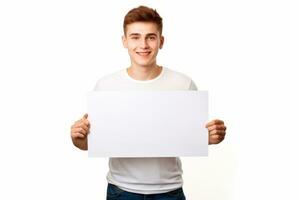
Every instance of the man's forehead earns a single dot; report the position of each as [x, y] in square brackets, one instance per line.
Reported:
[142, 28]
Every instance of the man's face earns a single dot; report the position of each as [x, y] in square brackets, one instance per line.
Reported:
[143, 40]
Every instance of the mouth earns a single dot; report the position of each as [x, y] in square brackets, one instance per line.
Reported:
[143, 53]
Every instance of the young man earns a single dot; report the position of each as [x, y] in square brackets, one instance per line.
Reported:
[143, 178]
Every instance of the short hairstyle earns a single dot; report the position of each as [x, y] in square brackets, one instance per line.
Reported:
[143, 14]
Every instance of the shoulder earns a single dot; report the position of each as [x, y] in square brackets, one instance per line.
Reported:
[180, 79]
[176, 75]
[109, 78]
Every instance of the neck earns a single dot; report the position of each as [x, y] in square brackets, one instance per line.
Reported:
[144, 72]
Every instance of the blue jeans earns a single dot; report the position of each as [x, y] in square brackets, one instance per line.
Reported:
[115, 193]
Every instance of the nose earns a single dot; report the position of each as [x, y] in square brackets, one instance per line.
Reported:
[144, 44]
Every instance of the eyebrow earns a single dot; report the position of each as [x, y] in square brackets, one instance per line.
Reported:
[147, 35]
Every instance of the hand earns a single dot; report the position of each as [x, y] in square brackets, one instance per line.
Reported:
[79, 132]
[216, 131]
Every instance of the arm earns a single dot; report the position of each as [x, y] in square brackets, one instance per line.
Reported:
[79, 132]
[216, 130]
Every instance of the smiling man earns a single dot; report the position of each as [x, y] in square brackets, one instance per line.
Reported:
[144, 178]
[143, 40]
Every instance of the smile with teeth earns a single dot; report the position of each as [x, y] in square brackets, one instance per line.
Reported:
[143, 53]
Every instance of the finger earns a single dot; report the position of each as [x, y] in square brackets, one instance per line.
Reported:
[79, 130]
[216, 127]
[85, 127]
[214, 122]
[85, 119]
[78, 135]
[86, 122]
[76, 122]
[82, 125]
[217, 132]
[79, 124]
[215, 139]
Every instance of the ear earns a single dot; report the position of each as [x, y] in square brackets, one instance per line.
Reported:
[162, 40]
[124, 40]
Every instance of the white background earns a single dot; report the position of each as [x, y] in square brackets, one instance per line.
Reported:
[244, 52]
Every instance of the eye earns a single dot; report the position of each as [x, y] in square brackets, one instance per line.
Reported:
[135, 38]
[152, 38]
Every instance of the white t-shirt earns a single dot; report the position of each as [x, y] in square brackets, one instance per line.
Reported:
[146, 175]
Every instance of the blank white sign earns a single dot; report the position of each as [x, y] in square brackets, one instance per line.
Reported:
[147, 123]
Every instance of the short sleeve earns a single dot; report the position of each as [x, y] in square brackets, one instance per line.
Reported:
[193, 86]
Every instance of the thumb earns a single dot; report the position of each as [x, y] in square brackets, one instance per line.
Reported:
[85, 116]
[85, 120]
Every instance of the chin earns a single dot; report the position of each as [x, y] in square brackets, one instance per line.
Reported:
[144, 64]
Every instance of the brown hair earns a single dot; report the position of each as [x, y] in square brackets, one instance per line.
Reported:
[143, 14]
